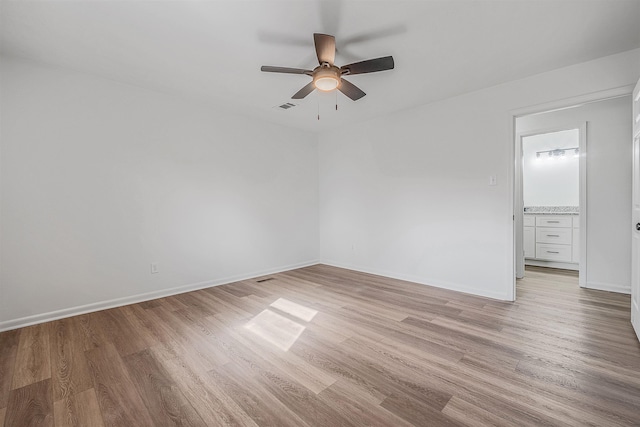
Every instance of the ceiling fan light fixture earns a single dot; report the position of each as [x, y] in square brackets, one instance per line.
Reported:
[327, 83]
[326, 78]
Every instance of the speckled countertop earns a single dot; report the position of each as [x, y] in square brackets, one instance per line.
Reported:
[551, 210]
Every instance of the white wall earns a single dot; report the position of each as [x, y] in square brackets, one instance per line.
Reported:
[407, 195]
[550, 181]
[99, 179]
[609, 178]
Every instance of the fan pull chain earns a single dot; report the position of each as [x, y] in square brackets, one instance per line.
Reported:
[318, 99]
[336, 91]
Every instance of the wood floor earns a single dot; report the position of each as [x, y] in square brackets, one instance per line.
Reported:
[322, 346]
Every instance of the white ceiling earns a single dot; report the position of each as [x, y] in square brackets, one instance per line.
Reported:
[211, 51]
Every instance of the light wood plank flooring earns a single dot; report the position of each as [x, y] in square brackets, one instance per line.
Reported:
[322, 346]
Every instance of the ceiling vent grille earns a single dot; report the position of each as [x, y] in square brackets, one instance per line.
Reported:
[286, 105]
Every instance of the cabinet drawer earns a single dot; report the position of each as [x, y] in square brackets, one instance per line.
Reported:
[549, 252]
[553, 235]
[563, 221]
[529, 221]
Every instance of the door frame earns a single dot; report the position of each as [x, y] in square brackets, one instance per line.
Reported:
[537, 109]
[582, 197]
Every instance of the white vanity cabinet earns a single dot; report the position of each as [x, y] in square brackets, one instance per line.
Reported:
[552, 240]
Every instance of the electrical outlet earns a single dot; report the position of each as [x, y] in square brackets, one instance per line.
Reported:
[154, 267]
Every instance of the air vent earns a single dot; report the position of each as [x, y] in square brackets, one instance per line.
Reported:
[286, 106]
[264, 280]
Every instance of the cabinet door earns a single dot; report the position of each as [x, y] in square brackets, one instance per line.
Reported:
[529, 221]
[529, 242]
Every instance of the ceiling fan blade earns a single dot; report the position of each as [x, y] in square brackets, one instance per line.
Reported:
[351, 90]
[304, 91]
[286, 70]
[325, 48]
[369, 66]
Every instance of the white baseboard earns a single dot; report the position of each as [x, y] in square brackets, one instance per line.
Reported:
[552, 264]
[118, 302]
[635, 317]
[621, 289]
[420, 280]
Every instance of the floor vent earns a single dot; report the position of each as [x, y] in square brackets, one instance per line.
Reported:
[264, 280]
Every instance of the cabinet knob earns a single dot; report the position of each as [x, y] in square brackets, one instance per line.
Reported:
[638, 226]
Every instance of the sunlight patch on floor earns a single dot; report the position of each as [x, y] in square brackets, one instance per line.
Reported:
[300, 311]
[275, 329]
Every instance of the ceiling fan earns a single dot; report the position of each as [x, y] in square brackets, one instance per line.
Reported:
[327, 76]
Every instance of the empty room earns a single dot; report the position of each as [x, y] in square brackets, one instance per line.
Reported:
[320, 213]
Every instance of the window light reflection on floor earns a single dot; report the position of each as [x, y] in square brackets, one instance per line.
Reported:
[297, 310]
[278, 329]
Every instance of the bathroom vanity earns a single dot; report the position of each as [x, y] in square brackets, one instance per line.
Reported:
[552, 236]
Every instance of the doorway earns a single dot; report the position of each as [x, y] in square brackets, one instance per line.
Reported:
[599, 246]
[550, 197]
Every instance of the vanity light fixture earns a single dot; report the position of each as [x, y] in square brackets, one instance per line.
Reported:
[558, 153]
